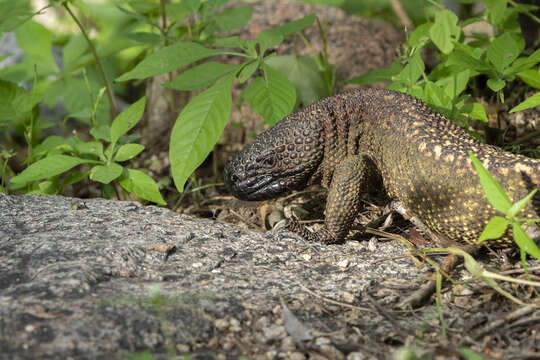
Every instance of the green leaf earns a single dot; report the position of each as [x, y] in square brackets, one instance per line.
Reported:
[14, 13]
[494, 229]
[248, 70]
[72, 52]
[73, 177]
[106, 173]
[445, 30]
[530, 102]
[412, 71]
[455, 84]
[273, 96]
[127, 119]
[496, 85]
[519, 205]
[469, 354]
[531, 77]
[234, 18]
[200, 76]
[419, 36]
[15, 102]
[476, 111]
[49, 143]
[36, 41]
[128, 151]
[502, 51]
[142, 185]
[48, 167]
[303, 72]
[295, 26]
[494, 192]
[197, 129]
[92, 147]
[272, 37]
[377, 75]
[524, 242]
[102, 132]
[525, 63]
[168, 59]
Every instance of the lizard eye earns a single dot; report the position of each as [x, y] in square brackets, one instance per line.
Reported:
[269, 162]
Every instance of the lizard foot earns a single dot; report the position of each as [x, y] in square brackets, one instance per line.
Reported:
[322, 236]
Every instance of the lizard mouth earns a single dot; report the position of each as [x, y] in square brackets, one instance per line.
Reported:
[252, 188]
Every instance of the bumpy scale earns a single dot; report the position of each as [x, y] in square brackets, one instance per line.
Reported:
[341, 141]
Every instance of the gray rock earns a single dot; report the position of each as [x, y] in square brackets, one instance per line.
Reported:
[113, 278]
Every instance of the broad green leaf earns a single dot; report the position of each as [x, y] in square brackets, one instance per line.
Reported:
[248, 70]
[176, 11]
[197, 129]
[73, 177]
[228, 42]
[496, 85]
[200, 76]
[455, 84]
[49, 143]
[15, 102]
[106, 173]
[102, 132]
[412, 71]
[48, 167]
[520, 204]
[461, 59]
[36, 41]
[272, 97]
[445, 30]
[531, 77]
[377, 75]
[303, 72]
[494, 229]
[530, 102]
[92, 147]
[268, 39]
[72, 52]
[419, 36]
[494, 192]
[272, 37]
[435, 95]
[476, 111]
[168, 59]
[524, 242]
[127, 119]
[525, 63]
[295, 26]
[142, 185]
[128, 151]
[502, 51]
[234, 18]
[14, 13]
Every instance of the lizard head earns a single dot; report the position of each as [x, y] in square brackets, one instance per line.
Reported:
[279, 160]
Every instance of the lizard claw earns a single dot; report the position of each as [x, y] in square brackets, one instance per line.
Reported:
[322, 236]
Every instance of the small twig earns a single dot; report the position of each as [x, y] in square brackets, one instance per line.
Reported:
[400, 329]
[519, 271]
[522, 311]
[246, 221]
[401, 14]
[335, 302]
[524, 138]
[110, 93]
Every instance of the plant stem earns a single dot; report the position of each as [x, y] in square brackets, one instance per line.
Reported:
[110, 93]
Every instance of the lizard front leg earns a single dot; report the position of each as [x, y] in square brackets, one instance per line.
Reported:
[350, 180]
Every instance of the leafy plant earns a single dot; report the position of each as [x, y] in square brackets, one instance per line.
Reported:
[161, 38]
[498, 225]
[462, 59]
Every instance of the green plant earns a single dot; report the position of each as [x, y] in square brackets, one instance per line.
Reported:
[498, 225]
[462, 59]
[161, 37]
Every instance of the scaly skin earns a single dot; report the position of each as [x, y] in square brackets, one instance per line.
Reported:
[421, 156]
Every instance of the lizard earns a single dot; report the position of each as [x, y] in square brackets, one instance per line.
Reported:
[422, 157]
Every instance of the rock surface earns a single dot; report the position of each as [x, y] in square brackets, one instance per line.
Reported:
[103, 279]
